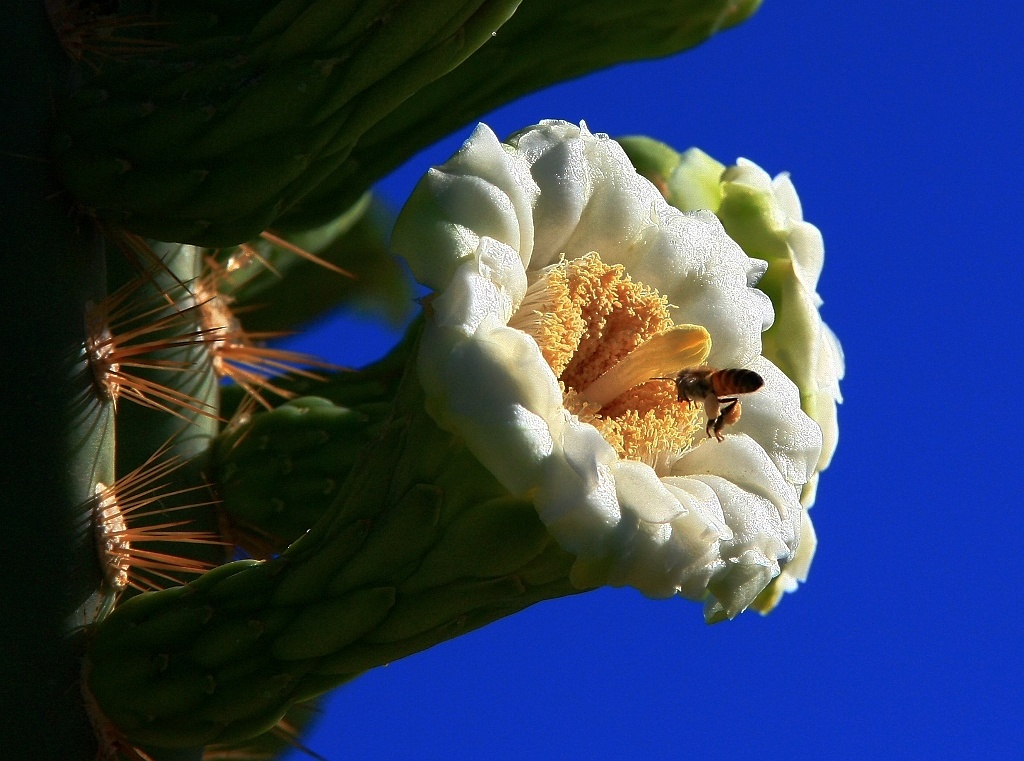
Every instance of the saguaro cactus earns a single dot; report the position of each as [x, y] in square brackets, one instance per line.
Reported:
[157, 157]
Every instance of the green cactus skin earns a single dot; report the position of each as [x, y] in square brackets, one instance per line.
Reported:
[292, 108]
[278, 473]
[281, 470]
[541, 44]
[250, 106]
[270, 745]
[421, 545]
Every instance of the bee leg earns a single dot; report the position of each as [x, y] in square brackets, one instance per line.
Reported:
[712, 427]
[730, 414]
[712, 410]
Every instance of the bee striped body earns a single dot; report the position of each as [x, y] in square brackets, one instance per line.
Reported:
[716, 390]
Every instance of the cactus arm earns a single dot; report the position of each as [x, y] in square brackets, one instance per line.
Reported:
[543, 43]
[144, 430]
[281, 470]
[207, 139]
[417, 549]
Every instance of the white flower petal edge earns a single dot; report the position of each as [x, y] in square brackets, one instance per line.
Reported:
[727, 518]
[804, 346]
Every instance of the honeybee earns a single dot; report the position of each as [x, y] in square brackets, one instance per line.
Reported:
[716, 390]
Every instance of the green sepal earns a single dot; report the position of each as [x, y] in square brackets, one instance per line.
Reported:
[689, 180]
[396, 542]
[417, 613]
[226, 642]
[329, 625]
[497, 537]
[274, 744]
[748, 215]
[308, 581]
[177, 693]
[253, 697]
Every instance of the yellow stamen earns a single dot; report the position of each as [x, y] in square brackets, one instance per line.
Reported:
[614, 348]
[662, 356]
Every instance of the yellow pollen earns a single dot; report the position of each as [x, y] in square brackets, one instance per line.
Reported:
[588, 318]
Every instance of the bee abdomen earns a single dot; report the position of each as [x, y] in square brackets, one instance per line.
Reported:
[735, 381]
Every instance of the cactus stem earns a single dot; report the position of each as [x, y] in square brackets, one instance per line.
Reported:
[113, 745]
[142, 258]
[125, 331]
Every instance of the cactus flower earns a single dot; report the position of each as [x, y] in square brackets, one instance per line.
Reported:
[569, 296]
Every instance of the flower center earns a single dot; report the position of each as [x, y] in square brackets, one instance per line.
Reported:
[614, 348]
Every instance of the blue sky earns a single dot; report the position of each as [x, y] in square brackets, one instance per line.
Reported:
[901, 125]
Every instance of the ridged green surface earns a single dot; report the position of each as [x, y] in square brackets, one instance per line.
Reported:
[276, 743]
[543, 43]
[281, 471]
[206, 122]
[422, 545]
[250, 106]
[294, 108]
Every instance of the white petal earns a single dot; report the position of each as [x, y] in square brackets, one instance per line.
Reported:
[808, 251]
[752, 558]
[470, 299]
[481, 191]
[498, 393]
[559, 167]
[728, 517]
[642, 493]
[745, 464]
[772, 417]
[703, 273]
[786, 196]
[759, 506]
[576, 496]
[797, 570]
